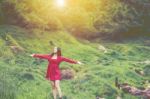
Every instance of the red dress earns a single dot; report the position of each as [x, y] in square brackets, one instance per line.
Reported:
[53, 71]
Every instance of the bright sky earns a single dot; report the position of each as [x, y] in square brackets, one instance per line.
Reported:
[60, 3]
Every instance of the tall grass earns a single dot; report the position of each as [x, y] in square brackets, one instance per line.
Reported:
[23, 77]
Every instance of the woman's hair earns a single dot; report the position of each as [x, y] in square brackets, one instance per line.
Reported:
[58, 52]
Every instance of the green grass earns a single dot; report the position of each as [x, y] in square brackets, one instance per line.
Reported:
[23, 77]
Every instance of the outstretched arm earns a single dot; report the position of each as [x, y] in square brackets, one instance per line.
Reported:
[69, 60]
[42, 56]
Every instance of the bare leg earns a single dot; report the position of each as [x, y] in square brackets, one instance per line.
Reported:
[54, 90]
[57, 84]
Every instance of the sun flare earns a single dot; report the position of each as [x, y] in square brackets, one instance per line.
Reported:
[60, 3]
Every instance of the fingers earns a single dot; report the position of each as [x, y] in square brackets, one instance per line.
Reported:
[80, 63]
[32, 55]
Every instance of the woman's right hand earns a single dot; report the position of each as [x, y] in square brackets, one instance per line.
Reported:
[32, 55]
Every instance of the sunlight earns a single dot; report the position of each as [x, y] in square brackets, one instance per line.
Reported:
[60, 3]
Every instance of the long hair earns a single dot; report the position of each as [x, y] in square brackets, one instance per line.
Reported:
[58, 52]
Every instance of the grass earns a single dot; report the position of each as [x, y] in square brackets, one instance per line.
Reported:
[22, 77]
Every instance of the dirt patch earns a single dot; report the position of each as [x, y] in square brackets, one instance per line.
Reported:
[16, 49]
[145, 92]
[147, 43]
[67, 74]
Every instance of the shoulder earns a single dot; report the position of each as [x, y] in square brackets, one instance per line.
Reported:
[49, 55]
[60, 56]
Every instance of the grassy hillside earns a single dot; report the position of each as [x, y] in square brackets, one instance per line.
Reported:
[23, 77]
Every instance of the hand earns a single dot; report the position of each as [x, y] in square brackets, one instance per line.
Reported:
[32, 55]
[79, 63]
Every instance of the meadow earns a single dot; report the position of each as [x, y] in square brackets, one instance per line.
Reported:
[23, 77]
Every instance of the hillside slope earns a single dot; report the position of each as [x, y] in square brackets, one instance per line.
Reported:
[22, 77]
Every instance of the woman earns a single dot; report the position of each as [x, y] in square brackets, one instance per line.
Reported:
[53, 72]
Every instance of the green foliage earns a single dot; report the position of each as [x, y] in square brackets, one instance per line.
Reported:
[10, 41]
[5, 51]
[81, 17]
[147, 70]
[8, 89]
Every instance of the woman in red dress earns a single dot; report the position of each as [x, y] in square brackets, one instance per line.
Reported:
[53, 72]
